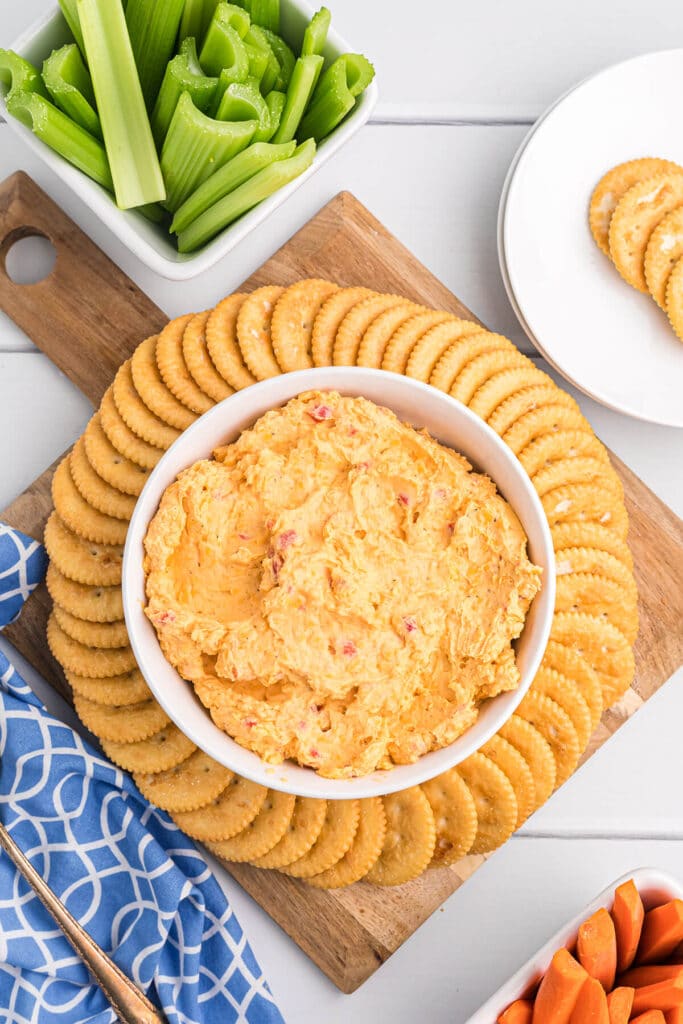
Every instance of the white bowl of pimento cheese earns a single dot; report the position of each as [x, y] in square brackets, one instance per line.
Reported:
[339, 582]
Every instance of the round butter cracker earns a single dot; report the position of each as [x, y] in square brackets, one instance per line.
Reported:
[174, 370]
[533, 400]
[591, 502]
[555, 725]
[115, 691]
[517, 771]
[262, 833]
[128, 724]
[455, 817]
[583, 469]
[80, 560]
[335, 838]
[598, 596]
[87, 661]
[377, 336]
[109, 463]
[135, 414]
[537, 753]
[78, 515]
[434, 343]
[254, 331]
[152, 390]
[674, 299]
[227, 814]
[613, 185]
[161, 751]
[96, 491]
[478, 370]
[329, 319]
[409, 840]
[96, 604]
[635, 217]
[187, 786]
[92, 634]
[461, 351]
[199, 363]
[604, 647]
[566, 693]
[407, 337]
[563, 444]
[664, 249]
[358, 319]
[363, 852]
[293, 318]
[503, 385]
[123, 438]
[221, 342]
[591, 535]
[301, 833]
[540, 419]
[574, 666]
[494, 799]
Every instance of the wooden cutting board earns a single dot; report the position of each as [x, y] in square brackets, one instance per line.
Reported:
[88, 316]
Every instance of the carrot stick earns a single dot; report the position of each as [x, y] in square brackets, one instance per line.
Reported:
[674, 1016]
[519, 1012]
[559, 990]
[627, 913]
[650, 1017]
[619, 1004]
[662, 932]
[665, 995]
[651, 975]
[591, 1006]
[596, 948]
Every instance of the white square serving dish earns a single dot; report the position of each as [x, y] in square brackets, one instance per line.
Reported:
[654, 886]
[150, 242]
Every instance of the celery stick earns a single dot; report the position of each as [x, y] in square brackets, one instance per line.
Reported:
[69, 85]
[258, 62]
[284, 57]
[120, 104]
[153, 27]
[304, 77]
[238, 170]
[18, 75]
[336, 95]
[153, 212]
[242, 101]
[195, 20]
[223, 46]
[183, 74]
[246, 196]
[60, 133]
[266, 13]
[271, 71]
[196, 146]
[226, 78]
[275, 101]
[70, 12]
[315, 35]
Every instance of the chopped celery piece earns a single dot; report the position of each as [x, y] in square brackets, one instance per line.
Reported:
[242, 101]
[275, 101]
[246, 196]
[271, 71]
[315, 35]
[226, 78]
[70, 12]
[18, 75]
[59, 132]
[195, 20]
[336, 95]
[153, 26]
[266, 13]
[258, 61]
[223, 47]
[125, 126]
[196, 146]
[284, 57]
[304, 77]
[238, 170]
[183, 74]
[69, 85]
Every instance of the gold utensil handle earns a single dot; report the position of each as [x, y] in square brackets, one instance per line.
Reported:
[130, 1004]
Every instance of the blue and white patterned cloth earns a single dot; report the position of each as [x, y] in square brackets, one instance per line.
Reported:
[123, 869]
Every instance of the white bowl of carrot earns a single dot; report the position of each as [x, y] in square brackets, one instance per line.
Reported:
[182, 124]
[619, 960]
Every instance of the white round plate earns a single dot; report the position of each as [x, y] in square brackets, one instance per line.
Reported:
[611, 341]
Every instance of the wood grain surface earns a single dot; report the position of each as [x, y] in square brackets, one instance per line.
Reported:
[351, 932]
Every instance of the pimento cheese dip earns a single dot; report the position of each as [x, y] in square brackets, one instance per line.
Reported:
[340, 588]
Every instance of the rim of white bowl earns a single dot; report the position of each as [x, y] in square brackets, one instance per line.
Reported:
[177, 697]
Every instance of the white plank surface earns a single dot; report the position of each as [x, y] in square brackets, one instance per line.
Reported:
[435, 186]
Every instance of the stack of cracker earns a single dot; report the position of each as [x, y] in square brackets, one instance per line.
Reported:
[200, 359]
[636, 218]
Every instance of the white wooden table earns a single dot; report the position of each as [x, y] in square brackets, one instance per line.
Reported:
[460, 86]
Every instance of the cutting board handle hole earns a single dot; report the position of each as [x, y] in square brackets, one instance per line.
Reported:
[27, 256]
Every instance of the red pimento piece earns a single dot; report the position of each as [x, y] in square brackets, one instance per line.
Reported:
[410, 623]
[451, 527]
[244, 536]
[313, 752]
[165, 617]
[349, 648]
[249, 723]
[319, 413]
[287, 538]
[403, 499]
